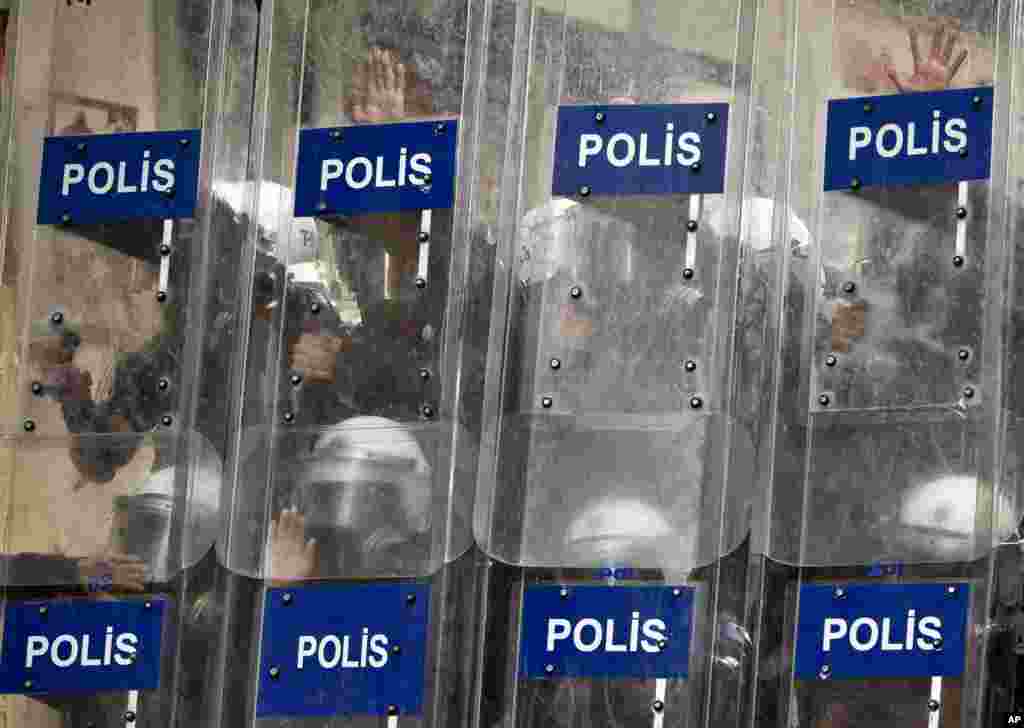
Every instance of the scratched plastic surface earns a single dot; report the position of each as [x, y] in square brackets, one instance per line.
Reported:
[886, 404]
[110, 410]
[609, 360]
[890, 408]
[363, 365]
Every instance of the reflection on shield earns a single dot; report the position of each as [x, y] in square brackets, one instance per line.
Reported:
[75, 115]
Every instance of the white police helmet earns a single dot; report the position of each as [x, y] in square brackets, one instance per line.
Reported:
[143, 518]
[340, 484]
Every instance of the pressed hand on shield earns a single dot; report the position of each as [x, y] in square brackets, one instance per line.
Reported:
[316, 355]
[112, 572]
[934, 72]
[380, 87]
[937, 71]
[291, 554]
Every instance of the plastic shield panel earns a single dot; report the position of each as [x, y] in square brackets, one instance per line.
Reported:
[417, 669]
[363, 363]
[610, 359]
[886, 406]
[616, 647]
[105, 303]
[108, 573]
[902, 649]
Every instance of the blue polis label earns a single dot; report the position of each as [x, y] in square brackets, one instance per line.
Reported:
[606, 631]
[81, 646]
[111, 177]
[657, 149]
[376, 168]
[907, 139]
[351, 649]
[881, 631]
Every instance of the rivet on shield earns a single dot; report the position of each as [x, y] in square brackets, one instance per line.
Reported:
[657, 706]
[392, 710]
[937, 643]
[690, 365]
[687, 273]
[56, 318]
[824, 400]
[549, 668]
[968, 392]
[824, 672]
[963, 354]
[28, 684]
[711, 117]
[80, 147]
[43, 610]
[183, 142]
[951, 589]
[855, 184]
[961, 213]
[274, 672]
[439, 128]
[167, 420]
[287, 598]
[976, 102]
[831, 360]
[677, 592]
[148, 605]
[129, 716]
[695, 167]
[691, 225]
[161, 296]
[933, 705]
[575, 292]
[29, 425]
[428, 411]
[296, 379]
[599, 117]
[410, 599]
[546, 402]
[585, 191]
[868, 107]
[37, 388]
[555, 363]
[288, 417]
[564, 593]
[696, 402]
[396, 649]
[958, 261]
[839, 592]
[65, 218]
[335, 134]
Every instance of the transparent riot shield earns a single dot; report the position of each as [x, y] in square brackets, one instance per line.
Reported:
[361, 367]
[886, 501]
[606, 493]
[113, 435]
